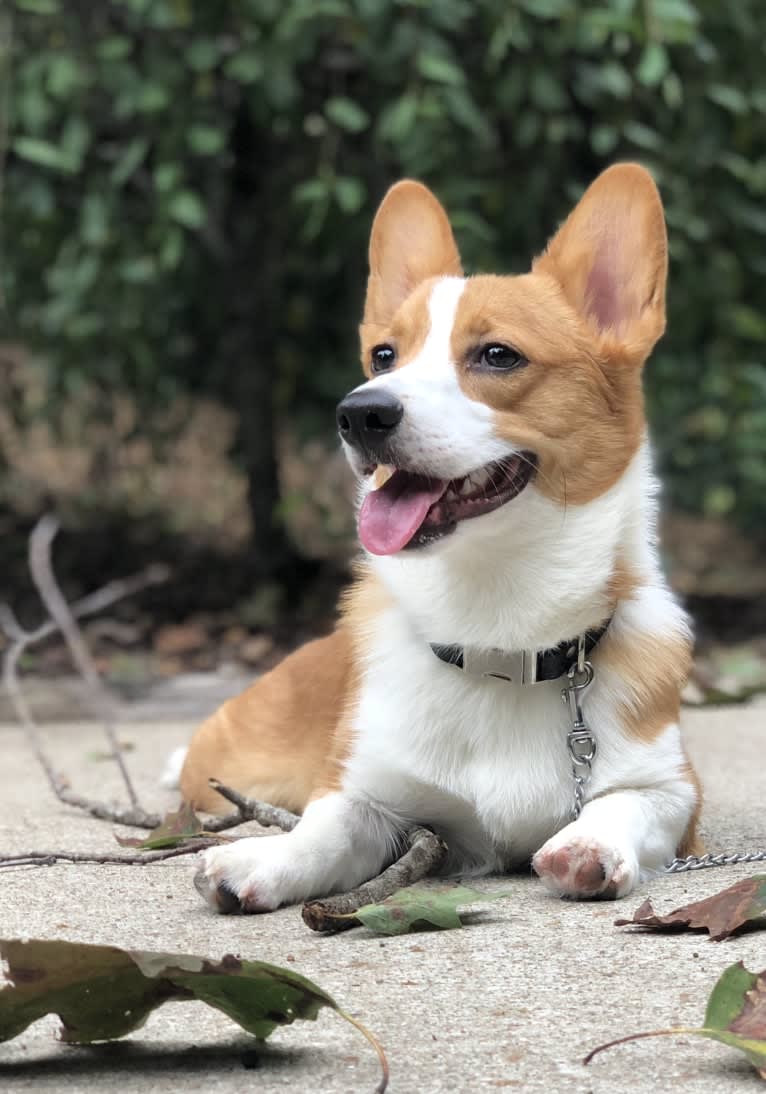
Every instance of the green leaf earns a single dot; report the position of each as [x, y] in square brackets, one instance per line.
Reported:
[735, 1016]
[202, 54]
[175, 829]
[641, 135]
[347, 114]
[131, 158]
[43, 153]
[729, 98]
[654, 64]
[205, 140]
[439, 69]
[614, 79]
[101, 993]
[94, 219]
[397, 120]
[167, 177]
[350, 193]
[418, 906]
[310, 191]
[245, 67]
[64, 75]
[546, 92]
[138, 271]
[603, 139]
[39, 7]
[187, 208]
[114, 48]
[152, 98]
[75, 139]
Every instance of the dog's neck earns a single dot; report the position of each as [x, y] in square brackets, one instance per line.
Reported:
[532, 575]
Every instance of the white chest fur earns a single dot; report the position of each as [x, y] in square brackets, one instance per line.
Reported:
[483, 760]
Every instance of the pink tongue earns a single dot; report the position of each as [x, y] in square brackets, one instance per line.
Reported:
[391, 516]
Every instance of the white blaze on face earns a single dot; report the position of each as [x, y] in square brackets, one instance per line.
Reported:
[443, 433]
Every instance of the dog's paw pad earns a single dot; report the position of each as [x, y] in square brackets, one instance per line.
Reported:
[249, 875]
[583, 867]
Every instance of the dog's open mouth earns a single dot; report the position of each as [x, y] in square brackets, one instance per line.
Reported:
[411, 510]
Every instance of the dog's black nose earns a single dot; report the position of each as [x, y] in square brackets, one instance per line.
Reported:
[368, 417]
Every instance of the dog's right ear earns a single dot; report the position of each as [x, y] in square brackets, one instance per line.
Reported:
[411, 241]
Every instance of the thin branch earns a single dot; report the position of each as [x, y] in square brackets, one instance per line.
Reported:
[424, 856]
[249, 809]
[41, 568]
[21, 639]
[49, 858]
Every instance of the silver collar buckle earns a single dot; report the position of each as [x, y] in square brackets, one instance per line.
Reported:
[517, 667]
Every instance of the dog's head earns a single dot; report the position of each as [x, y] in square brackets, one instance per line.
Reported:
[483, 391]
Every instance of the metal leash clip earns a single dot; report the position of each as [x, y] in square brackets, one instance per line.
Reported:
[580, 741]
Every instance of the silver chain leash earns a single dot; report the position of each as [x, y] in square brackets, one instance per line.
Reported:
[580, 741]
[582, 752]
[703, 862]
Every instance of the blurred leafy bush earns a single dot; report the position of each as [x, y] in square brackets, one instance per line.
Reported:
[189, 185]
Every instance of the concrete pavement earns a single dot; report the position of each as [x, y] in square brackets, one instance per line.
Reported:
[512, 1001]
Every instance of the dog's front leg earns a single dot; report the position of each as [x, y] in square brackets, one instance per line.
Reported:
[617, 838]
[337, 844]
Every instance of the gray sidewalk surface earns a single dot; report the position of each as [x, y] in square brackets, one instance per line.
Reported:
[512, 1001]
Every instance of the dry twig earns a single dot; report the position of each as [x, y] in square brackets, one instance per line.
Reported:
[50, 858]
[424, 855]
[63, 620]
[249, 809]
[41, 568]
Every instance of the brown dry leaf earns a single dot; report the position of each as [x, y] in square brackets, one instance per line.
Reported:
[178, 638]
[721, 915]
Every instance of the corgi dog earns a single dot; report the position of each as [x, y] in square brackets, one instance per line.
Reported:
[507, 511]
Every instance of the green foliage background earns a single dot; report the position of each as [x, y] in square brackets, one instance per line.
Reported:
[189, 184]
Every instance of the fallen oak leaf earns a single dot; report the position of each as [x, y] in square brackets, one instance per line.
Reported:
[721, 915]
[102, 993]
[735, 1016]
[418, 906]
[175, 827]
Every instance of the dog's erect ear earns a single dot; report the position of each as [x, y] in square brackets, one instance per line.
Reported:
[411, 241]
[611, 257]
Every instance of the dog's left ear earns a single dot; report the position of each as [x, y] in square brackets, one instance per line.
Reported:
[411, 240]
[611, 258]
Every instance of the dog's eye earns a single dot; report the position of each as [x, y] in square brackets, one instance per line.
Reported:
[382, 357]
[497, 356]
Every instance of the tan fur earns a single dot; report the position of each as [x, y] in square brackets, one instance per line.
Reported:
[692, 844]
[654, 671]
[622, 583]
[273, 742]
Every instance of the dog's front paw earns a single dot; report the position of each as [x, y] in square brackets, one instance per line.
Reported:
[576, 864]
[250, 875]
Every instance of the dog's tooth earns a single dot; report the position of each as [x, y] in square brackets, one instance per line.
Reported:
[466, 486]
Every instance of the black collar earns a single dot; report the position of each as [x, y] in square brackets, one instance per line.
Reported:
[519, 666]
